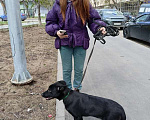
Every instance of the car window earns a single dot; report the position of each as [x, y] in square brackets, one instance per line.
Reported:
[148, 19]
[142, 18]
[147, 10]
[142, 9]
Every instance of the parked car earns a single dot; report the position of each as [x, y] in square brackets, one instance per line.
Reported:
[112, 17]
[128, 15]
[138, 28]
[4, 17]
[144, 8]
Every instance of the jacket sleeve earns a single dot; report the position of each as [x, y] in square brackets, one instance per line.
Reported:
[52, 22]
[95, 16]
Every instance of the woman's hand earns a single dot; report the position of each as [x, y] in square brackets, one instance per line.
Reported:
[61, 35]
[103, 29]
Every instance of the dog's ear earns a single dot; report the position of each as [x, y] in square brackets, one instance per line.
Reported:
[61, 88]
[61, 85]
[62, 82]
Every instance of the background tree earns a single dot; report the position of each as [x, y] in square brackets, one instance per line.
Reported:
[108, 2]
[35, 3]
[3, 5]
[46, 3]
[94, 3]
[26, 4]
[110, 5]
[38, 4]
[115, 4]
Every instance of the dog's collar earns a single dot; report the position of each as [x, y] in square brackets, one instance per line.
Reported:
[66, 95]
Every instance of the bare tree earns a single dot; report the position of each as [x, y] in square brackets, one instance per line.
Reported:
[40, 3]
[47, 4]
[37, 3]
[26, 4]
[94, 3]
[115, 4]
[108, 2]
[3, 5]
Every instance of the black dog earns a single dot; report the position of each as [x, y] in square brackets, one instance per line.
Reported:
[79, 104]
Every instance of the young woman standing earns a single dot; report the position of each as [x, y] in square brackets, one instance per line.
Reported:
[73, 16]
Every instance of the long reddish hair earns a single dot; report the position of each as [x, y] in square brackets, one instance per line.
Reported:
[81, 7]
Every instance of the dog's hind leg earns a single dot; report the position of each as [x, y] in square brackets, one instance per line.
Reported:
[78, 118]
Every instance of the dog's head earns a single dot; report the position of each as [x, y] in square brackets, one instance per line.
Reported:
[55, 90]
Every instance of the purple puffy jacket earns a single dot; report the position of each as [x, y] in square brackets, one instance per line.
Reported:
[77, 32]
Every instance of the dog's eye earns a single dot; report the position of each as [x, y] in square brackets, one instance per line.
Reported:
[49, 91]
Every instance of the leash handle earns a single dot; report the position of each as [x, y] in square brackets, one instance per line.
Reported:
[99, 36]
[111, 30]
[102, 41]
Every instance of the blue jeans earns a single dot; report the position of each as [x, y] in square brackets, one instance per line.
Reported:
[79, 57]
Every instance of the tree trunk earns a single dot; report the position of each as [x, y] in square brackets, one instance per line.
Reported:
[26, 5]
[39, 14]
[94, 3]
[108, 1]
[115, 4]
[138, 7]
[4, 7]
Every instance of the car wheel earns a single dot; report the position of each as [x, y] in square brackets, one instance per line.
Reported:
[126, 33]
[1, 19]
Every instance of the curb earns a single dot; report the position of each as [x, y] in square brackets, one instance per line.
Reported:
[60, 109]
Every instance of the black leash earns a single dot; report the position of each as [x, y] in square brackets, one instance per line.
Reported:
[111, 31]
[103, 42]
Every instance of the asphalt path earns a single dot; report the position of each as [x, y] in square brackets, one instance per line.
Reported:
[120, 70]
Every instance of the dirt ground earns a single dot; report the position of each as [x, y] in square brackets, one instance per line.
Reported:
[25, 102]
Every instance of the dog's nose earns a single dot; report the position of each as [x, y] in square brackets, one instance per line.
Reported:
[42, 94]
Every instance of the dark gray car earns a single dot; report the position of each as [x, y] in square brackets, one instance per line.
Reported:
[112, 17]
[138, 28]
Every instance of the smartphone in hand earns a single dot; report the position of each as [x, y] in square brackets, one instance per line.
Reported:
[63, 31]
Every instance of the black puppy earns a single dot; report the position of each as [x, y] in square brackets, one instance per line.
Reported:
[79, 104]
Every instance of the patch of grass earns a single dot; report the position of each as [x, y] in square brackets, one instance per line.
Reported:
[3, 23]
[41, 17]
